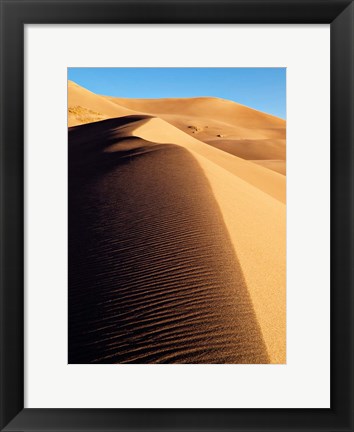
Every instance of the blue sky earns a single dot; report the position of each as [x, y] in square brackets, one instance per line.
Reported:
[261, 88]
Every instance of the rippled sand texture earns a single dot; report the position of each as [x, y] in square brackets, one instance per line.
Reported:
[176, 247]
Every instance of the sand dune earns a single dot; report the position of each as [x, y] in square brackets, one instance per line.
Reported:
[86, 107]
[176, 248]
[204, 107]
[165, 286]
[264, 149]
[158, 130]
[231, 127]
[234, 128]
[274, 165]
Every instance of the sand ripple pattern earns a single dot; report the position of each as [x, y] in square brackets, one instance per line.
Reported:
[153, 277]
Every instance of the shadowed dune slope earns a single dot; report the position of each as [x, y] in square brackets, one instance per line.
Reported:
[227, 125]
[234, 128]
[157, 130]
[255, 219]
[252, 203]
[250, 194]
[152, 271]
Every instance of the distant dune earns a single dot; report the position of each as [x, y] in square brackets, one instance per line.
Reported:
[234, 128]
[176, 247]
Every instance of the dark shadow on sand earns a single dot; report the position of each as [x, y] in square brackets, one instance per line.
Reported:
[153, 276]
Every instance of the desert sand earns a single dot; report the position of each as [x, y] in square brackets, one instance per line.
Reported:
[177, 231]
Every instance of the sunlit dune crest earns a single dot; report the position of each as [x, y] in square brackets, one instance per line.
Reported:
[234, 128]
[177, 231]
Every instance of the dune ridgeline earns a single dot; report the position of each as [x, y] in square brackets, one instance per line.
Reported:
[177, 231]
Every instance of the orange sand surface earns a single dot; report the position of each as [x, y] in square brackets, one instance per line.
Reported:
[177, 231]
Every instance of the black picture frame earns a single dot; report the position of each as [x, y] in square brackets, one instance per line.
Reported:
[14, 15]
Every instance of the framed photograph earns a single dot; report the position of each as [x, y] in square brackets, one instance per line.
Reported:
[176, 215]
